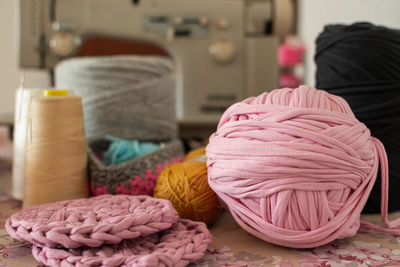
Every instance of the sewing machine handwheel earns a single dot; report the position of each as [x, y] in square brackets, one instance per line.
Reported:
[223, 51]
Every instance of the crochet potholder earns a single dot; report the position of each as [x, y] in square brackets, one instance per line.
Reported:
[91, 222]
[184, 243]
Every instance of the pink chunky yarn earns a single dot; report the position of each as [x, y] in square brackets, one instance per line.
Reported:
[295, 167]
[91, 222]
[185, 242]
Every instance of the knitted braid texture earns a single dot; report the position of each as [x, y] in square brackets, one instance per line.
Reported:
[184, 243]
[92, 222]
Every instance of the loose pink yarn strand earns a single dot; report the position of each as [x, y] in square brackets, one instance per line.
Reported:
[385, 195]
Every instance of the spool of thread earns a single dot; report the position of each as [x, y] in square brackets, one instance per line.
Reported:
[129, 97]
[295, 167]
[55, 159]
[185, 185]
[23, 98]
[361, 63]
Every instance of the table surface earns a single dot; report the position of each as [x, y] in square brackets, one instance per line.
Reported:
[234, 247]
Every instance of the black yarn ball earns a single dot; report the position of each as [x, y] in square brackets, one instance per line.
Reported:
[361, 63]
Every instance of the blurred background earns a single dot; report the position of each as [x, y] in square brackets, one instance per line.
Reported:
[232, 41]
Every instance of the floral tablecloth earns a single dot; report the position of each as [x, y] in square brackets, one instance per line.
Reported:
[233, 247]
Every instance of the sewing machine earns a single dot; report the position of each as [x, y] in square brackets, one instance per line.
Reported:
[224, 50]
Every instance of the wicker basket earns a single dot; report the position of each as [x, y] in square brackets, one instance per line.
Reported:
[134, 177]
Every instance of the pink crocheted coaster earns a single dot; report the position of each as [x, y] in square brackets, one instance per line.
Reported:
[91, 222]
[184, 243]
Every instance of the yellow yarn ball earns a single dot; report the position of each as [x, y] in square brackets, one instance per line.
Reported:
[185, 184]
[196, 153]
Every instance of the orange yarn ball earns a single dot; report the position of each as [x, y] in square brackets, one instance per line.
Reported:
[197, 153]
[185, 184]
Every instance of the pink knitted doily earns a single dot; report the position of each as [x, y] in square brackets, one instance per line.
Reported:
[185, 242]
[91, 222]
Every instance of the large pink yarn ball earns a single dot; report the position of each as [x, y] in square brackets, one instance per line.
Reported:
[294, 166]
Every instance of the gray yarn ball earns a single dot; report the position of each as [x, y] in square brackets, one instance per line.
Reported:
[131, 97]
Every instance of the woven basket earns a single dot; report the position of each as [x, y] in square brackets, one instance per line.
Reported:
[134, 177]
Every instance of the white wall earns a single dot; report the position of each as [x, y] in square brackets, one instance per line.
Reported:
[9, 71]
[314, 14]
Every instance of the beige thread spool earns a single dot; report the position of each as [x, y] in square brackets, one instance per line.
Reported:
[23, 98]
[55, 165]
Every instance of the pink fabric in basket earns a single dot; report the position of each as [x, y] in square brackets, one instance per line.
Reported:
[91, 222]
[185, 242]
[138, 185]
